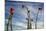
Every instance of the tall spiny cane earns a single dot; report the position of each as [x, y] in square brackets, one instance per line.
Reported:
[10, 19]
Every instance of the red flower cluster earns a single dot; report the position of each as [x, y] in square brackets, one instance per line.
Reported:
[11, 11]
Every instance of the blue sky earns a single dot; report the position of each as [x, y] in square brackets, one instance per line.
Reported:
[20, 14]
